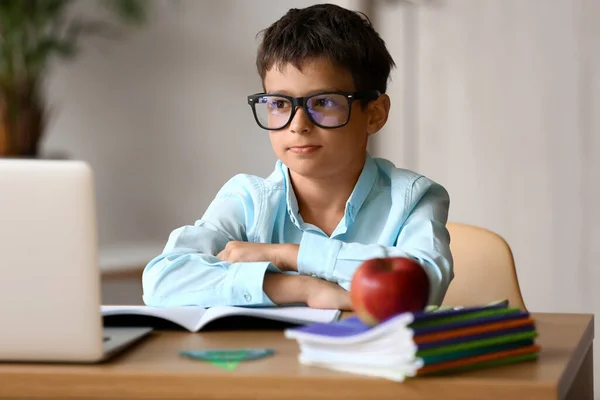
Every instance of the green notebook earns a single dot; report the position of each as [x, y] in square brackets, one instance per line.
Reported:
[467, 316]
[459, 354]
[475, 344]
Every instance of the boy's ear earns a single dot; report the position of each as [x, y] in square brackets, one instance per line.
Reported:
[378, 111]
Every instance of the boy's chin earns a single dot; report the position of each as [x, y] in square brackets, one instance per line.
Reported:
[308, 168]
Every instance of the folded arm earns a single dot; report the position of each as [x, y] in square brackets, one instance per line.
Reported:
[423, 236]
[188, 271]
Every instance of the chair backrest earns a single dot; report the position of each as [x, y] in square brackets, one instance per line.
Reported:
[484, 268]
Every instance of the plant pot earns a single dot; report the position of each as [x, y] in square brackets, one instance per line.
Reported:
[22, 123]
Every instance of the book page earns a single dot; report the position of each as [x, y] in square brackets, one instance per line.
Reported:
[298, 315]
[187, 317]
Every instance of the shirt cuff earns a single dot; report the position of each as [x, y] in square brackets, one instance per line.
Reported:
[318, 255]
[245, 283]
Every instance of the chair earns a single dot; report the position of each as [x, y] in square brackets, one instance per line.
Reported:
[484, 268]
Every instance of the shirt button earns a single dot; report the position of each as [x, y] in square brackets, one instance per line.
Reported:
[247, 297]
[313, 275]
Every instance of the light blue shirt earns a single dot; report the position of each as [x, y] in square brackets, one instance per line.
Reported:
[391, 212]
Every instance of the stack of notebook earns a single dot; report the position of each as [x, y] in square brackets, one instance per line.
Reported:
[419, 344]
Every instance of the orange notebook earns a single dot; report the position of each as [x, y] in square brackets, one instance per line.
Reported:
[455, 364]
[472, 330]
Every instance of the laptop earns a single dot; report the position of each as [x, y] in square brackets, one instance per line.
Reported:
[50, 293]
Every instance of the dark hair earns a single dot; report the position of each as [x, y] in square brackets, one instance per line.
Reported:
[345, 37]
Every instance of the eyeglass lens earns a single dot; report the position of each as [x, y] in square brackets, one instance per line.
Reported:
[326, 110]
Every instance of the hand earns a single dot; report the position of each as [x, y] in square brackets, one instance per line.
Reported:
[283, 256]
[314, 292]
[325, 294]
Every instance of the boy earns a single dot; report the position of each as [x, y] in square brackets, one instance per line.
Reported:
[299, 235]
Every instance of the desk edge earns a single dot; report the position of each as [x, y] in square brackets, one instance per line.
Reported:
[566, 380]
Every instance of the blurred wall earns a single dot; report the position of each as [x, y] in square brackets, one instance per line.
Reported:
[499, 101]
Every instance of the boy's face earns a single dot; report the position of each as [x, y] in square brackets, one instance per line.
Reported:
[315, 152]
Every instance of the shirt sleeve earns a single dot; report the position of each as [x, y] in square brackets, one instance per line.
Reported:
[422, 236]
[188, 273]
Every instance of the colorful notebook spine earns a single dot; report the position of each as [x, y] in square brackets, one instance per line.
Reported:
[474, 338]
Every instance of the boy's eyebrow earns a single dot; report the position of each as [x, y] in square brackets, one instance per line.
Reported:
[309, 93]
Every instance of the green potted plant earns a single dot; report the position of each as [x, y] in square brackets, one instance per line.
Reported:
[33, 33]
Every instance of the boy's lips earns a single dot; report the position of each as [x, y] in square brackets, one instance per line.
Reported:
[304, 149]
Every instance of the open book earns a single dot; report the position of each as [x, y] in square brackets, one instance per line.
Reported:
[195, 319]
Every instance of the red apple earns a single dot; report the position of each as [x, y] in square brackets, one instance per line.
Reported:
[384, 287]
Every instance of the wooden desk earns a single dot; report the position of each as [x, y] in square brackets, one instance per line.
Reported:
[154, 370]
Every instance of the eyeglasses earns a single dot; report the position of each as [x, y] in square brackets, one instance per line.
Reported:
[326, 110]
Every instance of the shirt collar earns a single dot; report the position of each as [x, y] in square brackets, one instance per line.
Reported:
[363, 187]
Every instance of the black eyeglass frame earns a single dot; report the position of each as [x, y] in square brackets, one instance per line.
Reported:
[302, 101]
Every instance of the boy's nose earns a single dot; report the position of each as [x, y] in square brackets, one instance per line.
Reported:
[300, 123]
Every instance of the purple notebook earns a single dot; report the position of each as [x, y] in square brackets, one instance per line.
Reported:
[345, 327]
[353, 326]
